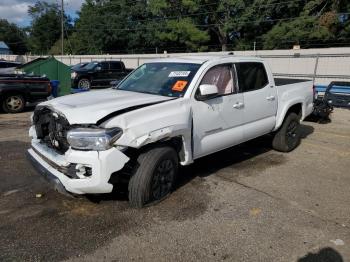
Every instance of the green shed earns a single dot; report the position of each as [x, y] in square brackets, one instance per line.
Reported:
[53, 69]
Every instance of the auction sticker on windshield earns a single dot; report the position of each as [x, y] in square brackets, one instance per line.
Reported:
[179, 86]
[179, 74]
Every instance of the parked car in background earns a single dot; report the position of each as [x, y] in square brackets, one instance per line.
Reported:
[8, 67]
[98, 74]
[17, 90]
[337, 94]
[166, 113]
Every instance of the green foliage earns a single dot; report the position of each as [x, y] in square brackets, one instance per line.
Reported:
[185, 33]
[45, 29]
[13, 36]
[304, 32]
[146, 26]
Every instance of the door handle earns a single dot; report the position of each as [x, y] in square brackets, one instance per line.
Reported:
[270, 98]
[238, 105]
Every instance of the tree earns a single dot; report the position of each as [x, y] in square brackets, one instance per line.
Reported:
[142, 26]
[119, 27]
[223, 19]
[14, 37]
[45, 28]
[304, 31]
[179, 24]
[317, 24]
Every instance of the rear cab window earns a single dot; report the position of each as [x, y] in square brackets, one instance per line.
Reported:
[251, 76]
[116, 66]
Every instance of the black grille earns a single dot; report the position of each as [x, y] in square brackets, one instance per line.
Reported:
[51, 128]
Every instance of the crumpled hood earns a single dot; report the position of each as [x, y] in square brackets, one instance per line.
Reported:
[90, 107]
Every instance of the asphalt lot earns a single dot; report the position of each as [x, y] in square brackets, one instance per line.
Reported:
[248, 203]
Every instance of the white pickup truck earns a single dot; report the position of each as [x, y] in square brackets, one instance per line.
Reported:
[166, 113]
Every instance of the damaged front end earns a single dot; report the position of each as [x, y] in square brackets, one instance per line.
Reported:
[60, 154]
[51, 128]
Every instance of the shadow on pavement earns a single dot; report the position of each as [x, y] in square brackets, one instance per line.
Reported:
[232, 157]
[235, 156]
[326, 254]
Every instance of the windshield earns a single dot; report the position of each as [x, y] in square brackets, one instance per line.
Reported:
[166, 79]
[91, 65]
[78, 66]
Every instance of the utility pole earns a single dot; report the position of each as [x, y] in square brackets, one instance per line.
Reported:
[62, 24]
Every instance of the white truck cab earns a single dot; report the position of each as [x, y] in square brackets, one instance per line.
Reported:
[166, 113]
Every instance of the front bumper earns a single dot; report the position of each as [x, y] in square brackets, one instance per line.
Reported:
[47, 175]
[102, 163]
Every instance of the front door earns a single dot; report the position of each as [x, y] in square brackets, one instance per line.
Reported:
[101, 77]
[216, 122]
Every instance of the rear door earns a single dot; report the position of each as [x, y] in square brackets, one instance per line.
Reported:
[260, 99]
[217, 121]
[117, 70]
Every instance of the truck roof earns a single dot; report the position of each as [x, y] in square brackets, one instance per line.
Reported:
[200, 59]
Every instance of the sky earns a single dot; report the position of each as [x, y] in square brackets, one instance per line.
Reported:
[16, 11]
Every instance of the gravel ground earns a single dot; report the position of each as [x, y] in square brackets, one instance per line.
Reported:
[247, 203]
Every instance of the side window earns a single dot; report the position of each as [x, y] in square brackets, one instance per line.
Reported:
[11, 65]
[104, 65]
[251, 76]
[116, 66]
[221, 76]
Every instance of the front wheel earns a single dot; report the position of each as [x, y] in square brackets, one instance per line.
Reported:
[13, 103]
[154, 177]
[287, 137]
[84, 84]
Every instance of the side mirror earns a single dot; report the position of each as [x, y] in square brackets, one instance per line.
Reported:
[207, 92]
[98, 68]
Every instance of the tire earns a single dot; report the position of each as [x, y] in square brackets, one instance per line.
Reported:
[84, 84]
[154, 178]
[13, 103]
[287, 138]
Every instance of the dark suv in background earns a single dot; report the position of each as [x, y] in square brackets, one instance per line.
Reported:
[98, 74]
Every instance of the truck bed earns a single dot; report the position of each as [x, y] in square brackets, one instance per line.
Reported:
[288, 81]
[290, 90]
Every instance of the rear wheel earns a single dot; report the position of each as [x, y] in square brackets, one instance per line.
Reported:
[155, 176]
[84, 84]
[13, 103]
[287, 137]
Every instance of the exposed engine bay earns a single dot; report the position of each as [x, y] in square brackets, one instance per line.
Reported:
[51, 128]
